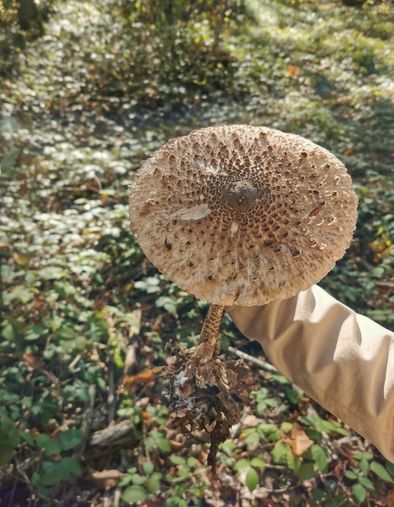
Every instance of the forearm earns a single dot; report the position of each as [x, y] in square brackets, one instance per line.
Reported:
[341, 359]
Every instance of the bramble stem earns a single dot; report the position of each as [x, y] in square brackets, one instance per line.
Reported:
[209, 342]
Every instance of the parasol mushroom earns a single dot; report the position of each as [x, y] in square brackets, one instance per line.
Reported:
[240, 215]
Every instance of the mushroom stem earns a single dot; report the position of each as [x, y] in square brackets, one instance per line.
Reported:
[209, 342]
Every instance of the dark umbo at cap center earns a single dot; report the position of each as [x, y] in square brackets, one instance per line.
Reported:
[241, 195]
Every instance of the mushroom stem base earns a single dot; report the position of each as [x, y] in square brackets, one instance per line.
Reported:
[205, 393]
[206, 398]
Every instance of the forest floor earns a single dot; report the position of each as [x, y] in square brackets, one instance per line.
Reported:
[82, 309]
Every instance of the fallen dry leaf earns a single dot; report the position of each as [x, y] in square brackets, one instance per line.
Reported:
[143, 376]
[4, 246]
[390, 498]
[30, 360]
[106, 479]
[20, 259]
[338, 470]
[145, 415]
[251, 421]
[293, 71]
[299, 441]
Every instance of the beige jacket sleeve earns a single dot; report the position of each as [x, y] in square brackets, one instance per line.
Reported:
[341, 359]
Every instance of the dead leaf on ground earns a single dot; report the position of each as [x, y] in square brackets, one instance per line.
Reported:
[30, 360]
[4, 246]
[293, 71]
[299, 441]
[390, 498]
[142, 377]
[20, 259]
[251, 421]
[338, 470]
[106, 479]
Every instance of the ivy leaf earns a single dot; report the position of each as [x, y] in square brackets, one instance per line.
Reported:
[366, 483]
[286, 426]
[228, 447]
[241, 464]
[137, 479]
[350, 474]
[381, 472]
[363, 455]
[164, 445]
[364, 465]
[177, 460]
[9, 439]
[320, 458]
[359, 492]
[48, 445]
[153, 483]
[270, 431]
[192, 462]
[52, 472]
[148, 467]
[134, 494]
[306, 471]
[252, 438]
[280, 452]
[258, 463]
[71, 467]
[125, 481]
[69, 439]
[251, 479]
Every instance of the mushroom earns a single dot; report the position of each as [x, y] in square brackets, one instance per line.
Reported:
[240, 215]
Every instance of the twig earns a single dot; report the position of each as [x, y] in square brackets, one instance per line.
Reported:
[275, 467]
[187, 432]
[283, 491]
[26, 480]
[111, 394]
[74, 362]
[11, 502]
[116, 499]
[29, 462]
[87, 422]
[251, 359]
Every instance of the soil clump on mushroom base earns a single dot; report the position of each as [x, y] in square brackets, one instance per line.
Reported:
[206, 396]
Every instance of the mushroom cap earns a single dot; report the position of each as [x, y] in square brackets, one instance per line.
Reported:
[243, 215]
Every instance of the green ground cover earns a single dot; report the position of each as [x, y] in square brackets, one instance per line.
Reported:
[82, 104]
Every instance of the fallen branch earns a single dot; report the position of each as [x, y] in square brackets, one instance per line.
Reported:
[243, 355]
[116, 434]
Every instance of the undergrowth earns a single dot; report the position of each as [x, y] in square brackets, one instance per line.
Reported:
[81, 106]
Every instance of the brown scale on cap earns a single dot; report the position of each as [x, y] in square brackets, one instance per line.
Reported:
[243, 215]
